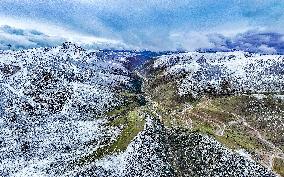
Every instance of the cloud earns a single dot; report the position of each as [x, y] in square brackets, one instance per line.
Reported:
[257, 40]
[190, 41]
[147, 24]
[251, 41]
[152, 24]
[268, 50]
[16, 38]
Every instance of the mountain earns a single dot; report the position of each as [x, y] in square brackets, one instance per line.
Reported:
[234, 97]
[67, 111]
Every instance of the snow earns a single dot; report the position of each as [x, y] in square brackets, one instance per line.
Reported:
[141, 158]
[52, 103]
[242, 72]
[281, 97]
[244, 154]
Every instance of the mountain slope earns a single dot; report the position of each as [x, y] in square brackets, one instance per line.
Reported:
[66, 111]
[234, 97]
[52, 106]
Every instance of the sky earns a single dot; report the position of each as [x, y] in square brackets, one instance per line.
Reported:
[222, 25]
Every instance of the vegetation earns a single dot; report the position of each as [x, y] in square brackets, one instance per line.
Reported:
[278, 166]
[132, 124]
[212, 114]
[127, 117]
[228, 114]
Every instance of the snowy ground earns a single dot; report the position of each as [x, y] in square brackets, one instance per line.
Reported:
[224, 73]
[52, 103]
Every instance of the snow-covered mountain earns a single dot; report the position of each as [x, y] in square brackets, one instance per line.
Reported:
[52, 100]
[235, 97]
[239, 72]
[66, 111]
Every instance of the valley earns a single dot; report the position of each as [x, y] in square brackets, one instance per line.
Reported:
[66, 111]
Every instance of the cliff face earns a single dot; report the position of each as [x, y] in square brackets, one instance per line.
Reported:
[66, 111]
